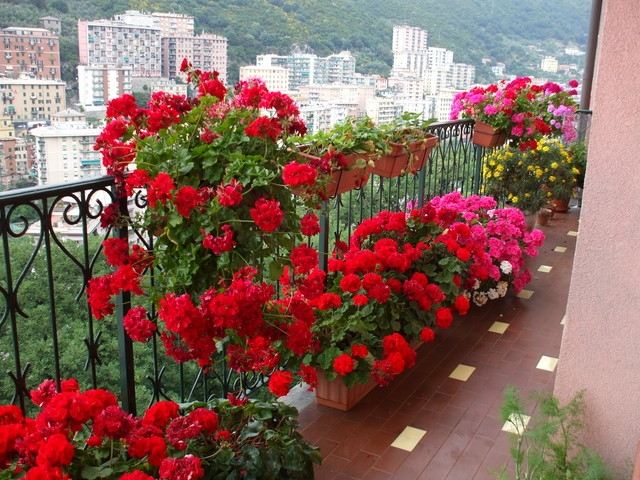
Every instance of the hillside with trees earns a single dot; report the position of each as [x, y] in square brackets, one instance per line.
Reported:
[500, 29]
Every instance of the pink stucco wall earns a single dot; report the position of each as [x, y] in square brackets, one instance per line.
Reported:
[601, 344]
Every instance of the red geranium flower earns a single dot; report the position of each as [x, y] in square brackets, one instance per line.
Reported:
[264, 127]
[444, 317]
[267, 214]
[343, 364]
[309, 225]
[280, 383]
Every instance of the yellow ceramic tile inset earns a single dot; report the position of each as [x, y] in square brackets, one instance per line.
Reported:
[516, 424]
[499, 327]
[544, 268]
[572, 233]
[409, 438]
[526, 294]
[462, 372]
[547, 363]
[560, 249]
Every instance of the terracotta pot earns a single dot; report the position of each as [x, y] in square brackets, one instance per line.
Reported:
[336, 394]
[345, 179]
[401, 159]
[484, 135]
[544, 215]
[560, 205]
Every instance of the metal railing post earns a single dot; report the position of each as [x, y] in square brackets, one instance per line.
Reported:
[125, 345]
[323, 238]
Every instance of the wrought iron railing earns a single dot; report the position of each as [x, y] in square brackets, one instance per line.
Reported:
[51, 246]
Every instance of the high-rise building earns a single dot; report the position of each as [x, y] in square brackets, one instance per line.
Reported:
[207, 51]
[309, 69]
[30, 99]
[116, 43]
[410, 53]
[98, 85]
[174, 24]
[64, 151]
[461, 75]
[439, 57]
[210, 53]
[336, 68]
[31, 51]
[275, 78]
[174, 49]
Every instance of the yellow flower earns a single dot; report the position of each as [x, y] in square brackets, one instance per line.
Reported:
[552, 178]
[514, 199]
[492, 163]
[575, 171]
[545, 149]
[539, 172]
[527, 195]
[549, 194]
[554, 165]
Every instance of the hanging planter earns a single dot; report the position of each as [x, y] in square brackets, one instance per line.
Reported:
[405, 158]
[348, 178]
[484, 135]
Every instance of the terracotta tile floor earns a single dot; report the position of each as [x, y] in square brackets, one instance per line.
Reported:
[462, 419]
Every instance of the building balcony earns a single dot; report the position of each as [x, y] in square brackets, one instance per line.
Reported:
[515, 341]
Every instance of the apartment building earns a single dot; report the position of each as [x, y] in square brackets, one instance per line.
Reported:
[64, 150]
[116, 43]
[275, 78]
[97, 85]
[409, 48]
[31, 51]
[28, 99]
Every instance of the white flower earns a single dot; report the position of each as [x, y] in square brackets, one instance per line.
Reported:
[502, 288]
[493, 294]
[506, 267]
[476, 285]
[480, 298]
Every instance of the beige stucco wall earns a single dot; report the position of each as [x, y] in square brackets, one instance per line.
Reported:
[601, 343]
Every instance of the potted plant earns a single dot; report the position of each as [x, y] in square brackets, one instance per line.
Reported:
[519, 111]
[560, 174]
[400, 278]
[517, 178]
[409, 146]
[85, 434]
[344, 154]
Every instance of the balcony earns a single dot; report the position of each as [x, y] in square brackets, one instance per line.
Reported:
[52, 236]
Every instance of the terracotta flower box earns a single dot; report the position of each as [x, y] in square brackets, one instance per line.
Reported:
[335, 394]
[484, 135]
[345, 179]
[402, 159]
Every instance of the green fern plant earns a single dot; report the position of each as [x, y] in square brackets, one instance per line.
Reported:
[549, 448]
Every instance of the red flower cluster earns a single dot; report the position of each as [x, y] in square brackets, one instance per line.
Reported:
[267, 214]
[230, 195]
[299, 174]
[220, 244]
[47, 446]
[309, 225]
[264, 127]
